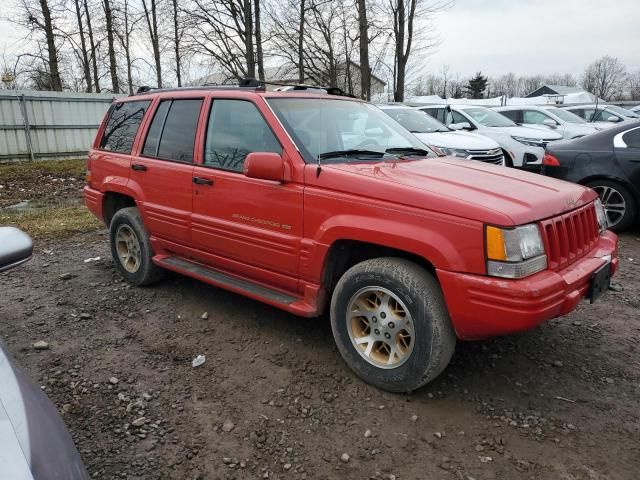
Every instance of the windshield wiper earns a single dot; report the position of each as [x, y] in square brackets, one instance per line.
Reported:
[354, 152]
[408, 151]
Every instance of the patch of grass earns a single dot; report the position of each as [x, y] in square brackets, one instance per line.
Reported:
[54, 222]
[33, 170]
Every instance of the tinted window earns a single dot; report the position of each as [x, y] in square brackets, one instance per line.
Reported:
[122, 126]
[579, 112]
[458, 118]
[153, 135]
[632, 138]
[179, 133]
[236, 128]
[605, 115]
[534, 117]
[512, 115]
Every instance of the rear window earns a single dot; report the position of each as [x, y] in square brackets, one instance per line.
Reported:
[122, 125]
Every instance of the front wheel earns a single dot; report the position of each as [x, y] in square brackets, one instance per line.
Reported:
[391, 324]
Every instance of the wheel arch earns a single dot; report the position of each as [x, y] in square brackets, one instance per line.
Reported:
[114, 201]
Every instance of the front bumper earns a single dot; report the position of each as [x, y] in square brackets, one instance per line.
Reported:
[482, 306]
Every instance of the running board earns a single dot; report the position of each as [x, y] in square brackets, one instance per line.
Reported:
[224, 280]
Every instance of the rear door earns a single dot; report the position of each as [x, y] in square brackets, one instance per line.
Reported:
[249, 226]
[163, 169]
[626, 146]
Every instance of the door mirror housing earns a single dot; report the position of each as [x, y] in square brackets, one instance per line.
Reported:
[461, 126]
[550, 122]
[16, 247]
[613, 119]
[264, 166]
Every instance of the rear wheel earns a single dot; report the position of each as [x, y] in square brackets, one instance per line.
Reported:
[618, 203]
[391, 324]
[131, 248]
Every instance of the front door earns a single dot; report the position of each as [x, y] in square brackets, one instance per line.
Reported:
[163, 169]
[247, 226]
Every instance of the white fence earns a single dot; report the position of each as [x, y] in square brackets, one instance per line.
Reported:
[36, 125]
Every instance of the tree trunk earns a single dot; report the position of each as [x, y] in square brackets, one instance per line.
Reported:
[258, 33]
[54, 73]
[127, 47]
[400, 63]
[301, 42]
[248, 39]
[365, 70]
[83, 46]
[92, 43]
[152, 24]
[176, 42]
[108, 15]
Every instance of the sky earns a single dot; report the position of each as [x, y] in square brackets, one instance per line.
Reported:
[536, 36]
[526, 37]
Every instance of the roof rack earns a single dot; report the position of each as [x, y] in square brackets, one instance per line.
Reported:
[246, 84]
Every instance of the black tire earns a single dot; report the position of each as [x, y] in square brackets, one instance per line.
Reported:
[508, 161]
[146, 272]
[631, 207]
[433, 340]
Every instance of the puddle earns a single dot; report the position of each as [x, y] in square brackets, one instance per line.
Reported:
[28, 206]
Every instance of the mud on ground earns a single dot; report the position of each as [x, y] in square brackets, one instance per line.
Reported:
[274, 399]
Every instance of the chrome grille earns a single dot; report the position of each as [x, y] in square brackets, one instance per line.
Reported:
[494, 156]
[570, 236]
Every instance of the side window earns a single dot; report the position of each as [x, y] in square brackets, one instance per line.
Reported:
[632, 138]
[604, 116]
[172, 133]
[431, 111]
[122, 126]
[512, 115]
[579, 112]
[533, 116]
[236, 128]
[457, 117]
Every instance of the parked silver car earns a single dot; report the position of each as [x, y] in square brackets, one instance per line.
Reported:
[34, 442]
[567, 124]
[604, 114]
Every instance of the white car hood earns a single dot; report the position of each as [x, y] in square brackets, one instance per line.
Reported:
[529, 132]
[462, 140]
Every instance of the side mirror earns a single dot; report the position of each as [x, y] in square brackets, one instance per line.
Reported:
[461, 126]
[550, 122]
[16, 247]
[264, 166]
[613, 119]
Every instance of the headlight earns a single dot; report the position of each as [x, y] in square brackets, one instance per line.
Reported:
[532, 142]
[514, 252]
[601, 215]
[454, 152]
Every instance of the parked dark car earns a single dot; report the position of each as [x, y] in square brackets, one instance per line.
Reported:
[34, 442]
[608, 162]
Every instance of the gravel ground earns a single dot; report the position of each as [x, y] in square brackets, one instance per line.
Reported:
[274, 399]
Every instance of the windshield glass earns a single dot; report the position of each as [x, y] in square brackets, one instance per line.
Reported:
[488, 118]
[566, 115]
[415, 121]
[622, 111]
[319, 126]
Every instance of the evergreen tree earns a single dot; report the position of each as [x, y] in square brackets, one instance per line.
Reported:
[476, 86]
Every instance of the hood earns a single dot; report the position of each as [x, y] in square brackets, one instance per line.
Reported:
[473, 190]
[462, 140]
[580, 129]
[529, 132]
[34, 442]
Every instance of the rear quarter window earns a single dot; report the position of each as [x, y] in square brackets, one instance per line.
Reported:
[122, 126]
[632, 138]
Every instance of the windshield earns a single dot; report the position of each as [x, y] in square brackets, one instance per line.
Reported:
[565, 115]
[415, 121]
[320, 126]
[622, 111]
[488, 118]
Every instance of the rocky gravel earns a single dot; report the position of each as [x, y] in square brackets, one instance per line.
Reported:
[274, 400]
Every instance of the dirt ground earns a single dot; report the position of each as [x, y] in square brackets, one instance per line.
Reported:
[274, 399]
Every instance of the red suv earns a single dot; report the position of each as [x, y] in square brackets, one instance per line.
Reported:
[310, 201]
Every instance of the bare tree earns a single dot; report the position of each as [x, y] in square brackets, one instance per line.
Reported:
[124, 37]
[363, 40]
[93, 45]
[83, 46]
[634, 85]
[605, 77]
[176, 41]
[258, 34]
[109, 23]
[151, 15]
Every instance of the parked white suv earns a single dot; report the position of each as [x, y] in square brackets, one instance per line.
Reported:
[567, 124]
[523, 146]
[605, 115]
[443, 139]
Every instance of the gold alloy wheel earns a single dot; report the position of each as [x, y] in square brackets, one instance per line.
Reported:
[380, 327]
[128, 248]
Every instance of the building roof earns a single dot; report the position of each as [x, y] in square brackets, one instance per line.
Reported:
[555, 89]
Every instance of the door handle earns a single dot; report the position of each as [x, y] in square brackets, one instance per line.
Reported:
[202, 181]
[139, 167]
